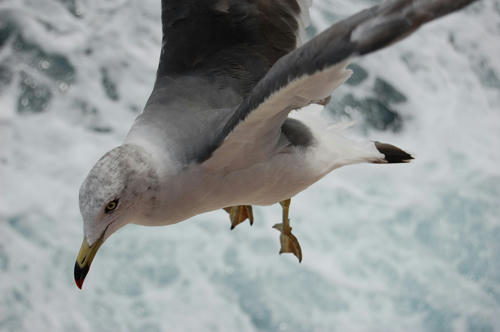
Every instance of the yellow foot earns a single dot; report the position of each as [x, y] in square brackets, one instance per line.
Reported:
[289, 243]
[240, 213]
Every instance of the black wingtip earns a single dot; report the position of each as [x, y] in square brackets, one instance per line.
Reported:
[393, 154]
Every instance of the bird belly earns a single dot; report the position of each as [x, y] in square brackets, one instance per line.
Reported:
[280, 177]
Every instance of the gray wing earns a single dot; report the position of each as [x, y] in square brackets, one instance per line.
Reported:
[215, 36]
[311, 72]
[213, 54]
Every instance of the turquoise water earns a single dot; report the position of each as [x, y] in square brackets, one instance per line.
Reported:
[386, 248]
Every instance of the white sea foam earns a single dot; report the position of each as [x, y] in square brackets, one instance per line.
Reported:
[386, 248]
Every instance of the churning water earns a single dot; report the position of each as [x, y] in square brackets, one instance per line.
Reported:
[386, 248]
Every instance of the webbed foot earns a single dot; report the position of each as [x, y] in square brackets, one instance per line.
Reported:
[289, 243]
[240, 213]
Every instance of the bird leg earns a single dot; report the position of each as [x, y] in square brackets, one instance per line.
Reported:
[289, 243]
[240, 213]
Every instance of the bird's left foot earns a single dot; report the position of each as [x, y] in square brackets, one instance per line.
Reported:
[240, 213]
[289, 243]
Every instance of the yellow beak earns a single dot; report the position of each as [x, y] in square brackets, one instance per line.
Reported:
[84, 259]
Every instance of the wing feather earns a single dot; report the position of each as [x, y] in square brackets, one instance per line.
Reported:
[197, 33]
[311, 72]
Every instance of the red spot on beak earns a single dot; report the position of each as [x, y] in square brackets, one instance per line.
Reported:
[79, 283]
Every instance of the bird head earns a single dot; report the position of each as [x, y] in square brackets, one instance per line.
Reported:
[119, 189]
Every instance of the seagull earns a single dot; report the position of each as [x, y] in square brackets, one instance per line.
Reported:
[221, 128]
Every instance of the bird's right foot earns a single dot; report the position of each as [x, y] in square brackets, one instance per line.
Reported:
[288, 241]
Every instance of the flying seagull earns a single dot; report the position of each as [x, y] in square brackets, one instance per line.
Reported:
[216, 131]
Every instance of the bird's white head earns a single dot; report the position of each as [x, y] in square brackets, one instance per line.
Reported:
[121, 188]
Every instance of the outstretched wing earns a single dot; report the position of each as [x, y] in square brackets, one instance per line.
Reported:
[213, 54]
[199, 35]
[313, 71]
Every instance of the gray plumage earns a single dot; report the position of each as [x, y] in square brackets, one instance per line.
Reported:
[221, 59]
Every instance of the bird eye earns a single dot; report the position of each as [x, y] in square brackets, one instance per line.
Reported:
[111, 206]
